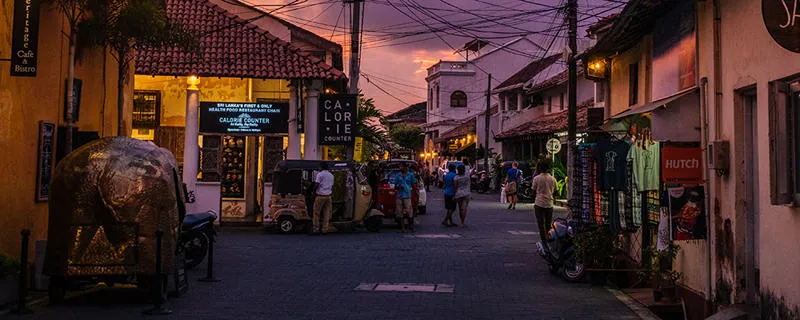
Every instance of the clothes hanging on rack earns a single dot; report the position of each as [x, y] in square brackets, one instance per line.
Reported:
[645, 156]
[611, 157]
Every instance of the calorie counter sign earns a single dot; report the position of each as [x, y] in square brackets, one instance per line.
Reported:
[337, 119]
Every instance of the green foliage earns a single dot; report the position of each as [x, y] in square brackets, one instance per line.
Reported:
[596, 247]
[660, 268]
[409, 137]
[8, 266]
[369, 122]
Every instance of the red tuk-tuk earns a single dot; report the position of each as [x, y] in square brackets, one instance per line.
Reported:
[380, 173]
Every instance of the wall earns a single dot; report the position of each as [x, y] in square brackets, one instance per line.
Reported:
[620, 76]
[25, 101]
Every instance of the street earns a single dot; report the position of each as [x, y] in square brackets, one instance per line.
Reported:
[488, 270]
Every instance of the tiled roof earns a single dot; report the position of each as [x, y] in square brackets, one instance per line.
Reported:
[462, 129]
[602, 24]
[228, 46]
[529, 71]
[550, 123]
[628, 28]
[556, 80]
[415, 113]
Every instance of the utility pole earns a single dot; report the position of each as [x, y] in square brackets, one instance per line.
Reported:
[355, 31]
[572, 113]
[486, 130]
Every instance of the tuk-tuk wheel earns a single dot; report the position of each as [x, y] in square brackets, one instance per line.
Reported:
[286, 224]
[56, 290]
[373, 224]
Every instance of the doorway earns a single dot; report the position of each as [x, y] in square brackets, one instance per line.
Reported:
[750, 121]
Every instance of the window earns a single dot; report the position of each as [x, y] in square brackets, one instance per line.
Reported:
[633, 87]
[561, 101]
[437, 97]
[601, 91]
[784, 142]
[146, 109]
[458, 99]
[430, 98]
[550, 104]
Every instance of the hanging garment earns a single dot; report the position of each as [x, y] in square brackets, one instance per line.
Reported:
[646, 165]
[628, 212]
[663, 229]
[611, 158]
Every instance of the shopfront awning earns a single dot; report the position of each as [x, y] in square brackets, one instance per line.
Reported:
[650, 107]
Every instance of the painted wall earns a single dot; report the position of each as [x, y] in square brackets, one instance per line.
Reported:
[620, 76]
[26, 101]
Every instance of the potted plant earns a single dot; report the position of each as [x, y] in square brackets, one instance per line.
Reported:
[9, 277]
[596, 250]
[664, 279]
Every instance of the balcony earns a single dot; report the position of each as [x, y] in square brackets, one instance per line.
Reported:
[451, 67]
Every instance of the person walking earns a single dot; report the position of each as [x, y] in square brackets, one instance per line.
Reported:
[449, 195]
[323, 184]
[462, 193]
[403, 183]
[544, 186]
[512, 178]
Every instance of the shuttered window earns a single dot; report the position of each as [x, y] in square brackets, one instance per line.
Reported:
[784, 142]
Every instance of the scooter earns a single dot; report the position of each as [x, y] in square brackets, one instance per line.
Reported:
[559, 251]
[197, 232]
[525, 190]
[480, 182]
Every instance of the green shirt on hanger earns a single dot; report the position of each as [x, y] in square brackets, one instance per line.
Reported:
[646, 166]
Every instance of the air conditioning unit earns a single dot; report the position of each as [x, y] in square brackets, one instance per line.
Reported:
[719, 153]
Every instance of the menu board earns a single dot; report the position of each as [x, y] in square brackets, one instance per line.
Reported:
[45, 160]
[233, 167]
[244, 118]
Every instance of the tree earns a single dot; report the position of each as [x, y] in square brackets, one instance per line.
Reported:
[369, 122]
[125, 26]
[408, 137]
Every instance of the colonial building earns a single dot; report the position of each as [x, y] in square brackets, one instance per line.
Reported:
[413, 115]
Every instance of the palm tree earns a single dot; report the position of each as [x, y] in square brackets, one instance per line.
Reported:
[369, 122]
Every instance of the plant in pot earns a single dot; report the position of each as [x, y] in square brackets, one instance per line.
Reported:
[664, 279]
[596, 250]
[9, 277]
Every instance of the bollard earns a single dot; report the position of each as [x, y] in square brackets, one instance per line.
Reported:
[22, 292]
[158, 308]
[210, 270]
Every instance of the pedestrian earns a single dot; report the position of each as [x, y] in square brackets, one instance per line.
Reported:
[544, 186]
[323, 205]
[403, 183]
[426, 177]
[462, 193]
[512, 178]
[449, 195]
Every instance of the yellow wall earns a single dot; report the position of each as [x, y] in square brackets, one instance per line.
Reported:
[25, 101]
[620, 76]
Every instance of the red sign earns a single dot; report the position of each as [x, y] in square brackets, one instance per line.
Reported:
[681, 165]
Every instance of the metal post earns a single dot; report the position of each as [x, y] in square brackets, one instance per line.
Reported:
[572, 113]
[22, 292]
[158, 302]
[486, 130]
[210, 270]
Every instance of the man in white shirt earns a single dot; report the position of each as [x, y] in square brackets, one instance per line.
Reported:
[323, 204]
[544, 186]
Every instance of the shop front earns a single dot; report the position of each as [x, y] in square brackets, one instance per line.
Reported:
[458, 143]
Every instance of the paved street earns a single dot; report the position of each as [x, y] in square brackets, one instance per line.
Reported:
[486, 271]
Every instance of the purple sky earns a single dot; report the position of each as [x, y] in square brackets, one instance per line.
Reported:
[397, 49]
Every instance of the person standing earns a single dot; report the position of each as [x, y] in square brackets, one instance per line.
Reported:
[544, 186]
[462, 193]
[322, 203]
[449, 195]
[512, 178]
[403, 183]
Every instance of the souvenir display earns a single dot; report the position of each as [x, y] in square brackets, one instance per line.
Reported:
[233, 166]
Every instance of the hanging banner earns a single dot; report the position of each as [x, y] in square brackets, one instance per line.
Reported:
[25, 38]
[687, 213]
[337, 119]
[358, 148]
[681, 165]
[244, 118]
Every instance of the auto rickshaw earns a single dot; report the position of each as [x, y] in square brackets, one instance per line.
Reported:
[292, 204]
[111, 202]
[380, 174]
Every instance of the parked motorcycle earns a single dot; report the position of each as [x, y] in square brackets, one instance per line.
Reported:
[525, 190]
[197, 232]
[479, 181]
[559, 251]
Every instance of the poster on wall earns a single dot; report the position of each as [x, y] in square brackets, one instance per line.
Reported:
[44, 163]
[25, 38]
[337, 119]
[675, 51]
[687, 213]
[244, 118]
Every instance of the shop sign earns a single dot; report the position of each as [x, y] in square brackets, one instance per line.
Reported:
[244, 118]
[681, 165]
[337, 119]
[781, 20]
[44, 164]
[25, 38]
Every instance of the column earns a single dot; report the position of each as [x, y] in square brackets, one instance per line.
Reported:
[293, 148]
[519, 101]
[507, 102]
[191, 150]
[312, 149]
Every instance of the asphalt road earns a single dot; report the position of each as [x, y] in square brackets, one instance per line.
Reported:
[488, 270]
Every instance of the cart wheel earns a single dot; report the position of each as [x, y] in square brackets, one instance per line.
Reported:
[286, 224]
[374, 223]
[57, 290]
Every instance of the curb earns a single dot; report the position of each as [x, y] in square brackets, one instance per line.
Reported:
[634, 305]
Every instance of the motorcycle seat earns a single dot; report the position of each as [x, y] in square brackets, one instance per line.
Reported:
[194, 219]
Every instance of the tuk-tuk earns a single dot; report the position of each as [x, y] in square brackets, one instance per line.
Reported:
[380, 173]
[292, 205]
[111, 202]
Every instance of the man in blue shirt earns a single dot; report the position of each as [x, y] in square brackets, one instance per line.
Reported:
[449, 195]
[403, 183]
[513, 176]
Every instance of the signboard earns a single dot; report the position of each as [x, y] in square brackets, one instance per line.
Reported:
[337, 119]
[681, 165]
[25, 38]
[780, 18]
[553, 145]
[44, 164]
[244, 118]
[358, 148]
[77, 88]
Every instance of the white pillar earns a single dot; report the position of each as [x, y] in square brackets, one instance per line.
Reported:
[191, 150]
[519, 101]
[293, 148]
[312, 149]
[507, 105]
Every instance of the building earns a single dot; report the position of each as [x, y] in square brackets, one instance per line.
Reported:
[32, 113]
[413, 115]
[457, 93]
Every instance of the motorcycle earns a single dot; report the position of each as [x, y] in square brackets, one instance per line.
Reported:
[197, 232]
[525, 190]
[559, 251]
[479, 181]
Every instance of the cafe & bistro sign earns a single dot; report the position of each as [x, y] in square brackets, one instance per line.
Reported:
[25, 38]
